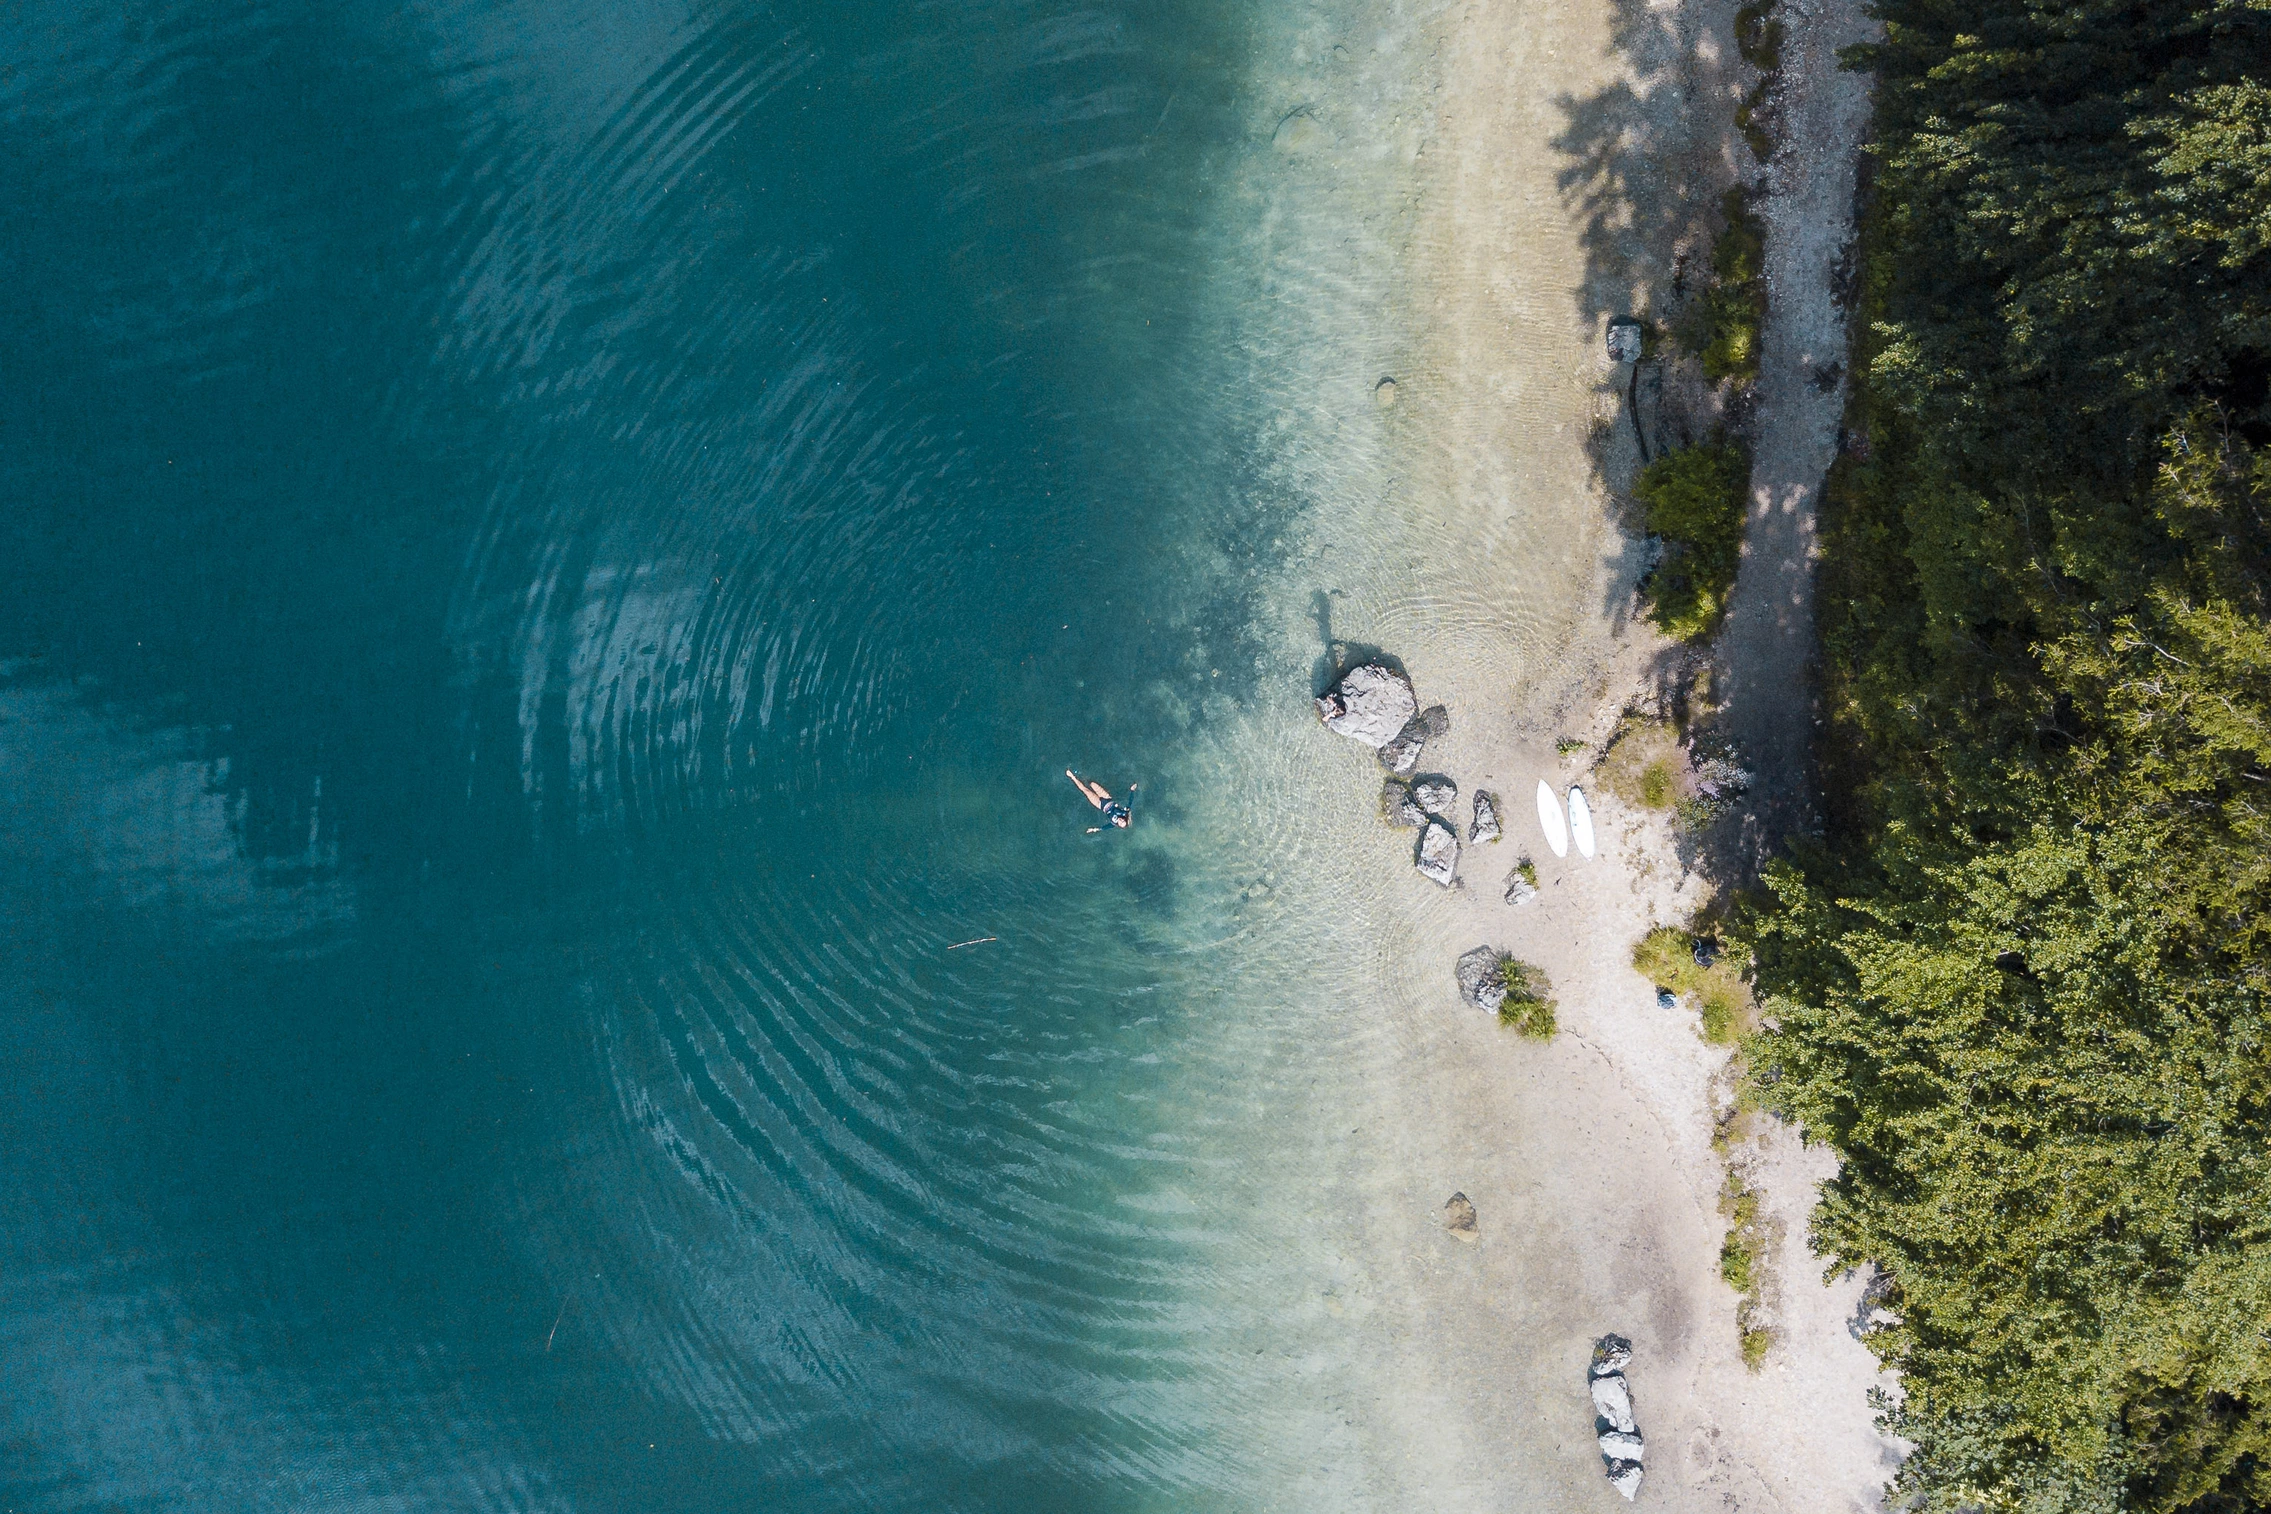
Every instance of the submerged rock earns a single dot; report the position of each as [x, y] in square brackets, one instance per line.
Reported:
[1435, 721]
[1438, 854]
[1436, 795]
[1370, 704]
[1459, 1218]
[1397, 805]
[1384, 394]
[1485, 827]
[1482, 978]
[1298, 133]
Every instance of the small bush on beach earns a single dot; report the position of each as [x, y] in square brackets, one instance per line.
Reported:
[1529, 1002]
[1694, 500]
[1758, 36]
[1722, 328]
[1666, 957]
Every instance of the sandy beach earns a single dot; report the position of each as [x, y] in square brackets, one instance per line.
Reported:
[1569, 156]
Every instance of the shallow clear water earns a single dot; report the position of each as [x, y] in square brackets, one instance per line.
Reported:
[557, 555]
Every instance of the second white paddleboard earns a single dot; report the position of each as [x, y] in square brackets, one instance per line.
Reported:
[1581, 822]
[1550, 821]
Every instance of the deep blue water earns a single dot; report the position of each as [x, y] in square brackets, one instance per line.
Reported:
[553, 558]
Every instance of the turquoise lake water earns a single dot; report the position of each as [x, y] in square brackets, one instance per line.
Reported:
[555, 557]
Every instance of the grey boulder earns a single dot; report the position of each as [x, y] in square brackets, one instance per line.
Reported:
[1624, 1476]
[1624, 340]
[1370, 704]
[1401, 753]
[1611, 1353]
[1397, 806]
[1459, 1218]
[1438, 860]
[1620, 1445]
[1482, 978]
[1436, 796]
[1519, 890]
[1485, 827]
[1612, 1401]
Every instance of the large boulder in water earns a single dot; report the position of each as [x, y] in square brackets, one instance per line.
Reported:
[1438, 854]
[1482, 978]
[1370, 704]
[1485, 827]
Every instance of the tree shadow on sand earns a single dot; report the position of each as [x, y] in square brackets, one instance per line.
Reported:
[1646, 165]
[1647, 160]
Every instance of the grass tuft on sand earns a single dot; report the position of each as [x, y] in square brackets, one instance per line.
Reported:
[1741, 1264]
[1643, 765]
[1529, 999]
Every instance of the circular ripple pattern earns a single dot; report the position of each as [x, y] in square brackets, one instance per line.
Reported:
[620, 517]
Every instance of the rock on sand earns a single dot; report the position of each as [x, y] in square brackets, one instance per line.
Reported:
[1438, 854]
[1618, 1435]
[1485, 827]
[1482, 980]
[1436, 796]
[1612, 1401]
[1370, 704]
[1459, 1218]
[1397, 805]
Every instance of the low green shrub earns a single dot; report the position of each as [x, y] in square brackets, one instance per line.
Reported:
[1722, 327]
[1694, 499]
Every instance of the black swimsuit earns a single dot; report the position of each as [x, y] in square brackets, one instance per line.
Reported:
[1114, 811]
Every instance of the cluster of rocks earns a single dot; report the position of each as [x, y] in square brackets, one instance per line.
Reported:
[1375, 704]
[1613, 1424]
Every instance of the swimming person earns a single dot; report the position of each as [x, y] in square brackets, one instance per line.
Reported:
[1096, 794]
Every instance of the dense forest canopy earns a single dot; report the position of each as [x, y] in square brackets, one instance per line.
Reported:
[2020, 983]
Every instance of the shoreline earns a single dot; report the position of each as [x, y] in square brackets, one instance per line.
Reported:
[1590, 1160]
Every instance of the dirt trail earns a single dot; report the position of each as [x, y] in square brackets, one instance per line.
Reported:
[1768, 645]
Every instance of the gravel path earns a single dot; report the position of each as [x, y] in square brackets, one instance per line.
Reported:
[1769, 639]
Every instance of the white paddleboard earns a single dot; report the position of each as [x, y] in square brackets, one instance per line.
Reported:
[1581, 822]
[1550, 821]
